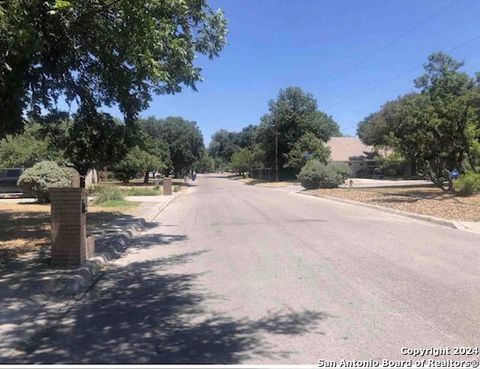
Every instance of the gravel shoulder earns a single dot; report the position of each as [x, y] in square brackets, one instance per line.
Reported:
[420, 200]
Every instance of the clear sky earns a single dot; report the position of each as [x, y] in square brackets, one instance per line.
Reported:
[334, 49]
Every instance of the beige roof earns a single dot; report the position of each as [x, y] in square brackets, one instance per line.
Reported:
[347, 148]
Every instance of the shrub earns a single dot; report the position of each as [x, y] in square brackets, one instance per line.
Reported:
[107, 193]
[38, 179]
[468, 184]
[139, 191]
[318, 175]
[392, 165]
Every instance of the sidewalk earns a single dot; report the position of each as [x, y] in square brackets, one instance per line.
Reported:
[32, 293]
[151, 205]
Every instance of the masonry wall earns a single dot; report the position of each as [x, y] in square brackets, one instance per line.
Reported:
[68, 222]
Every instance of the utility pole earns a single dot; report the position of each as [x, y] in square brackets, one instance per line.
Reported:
[276, 151]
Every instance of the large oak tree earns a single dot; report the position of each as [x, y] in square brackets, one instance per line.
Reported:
[100, 53]
[438, 127]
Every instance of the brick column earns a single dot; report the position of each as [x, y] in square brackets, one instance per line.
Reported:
[167, 186]
[69, 233]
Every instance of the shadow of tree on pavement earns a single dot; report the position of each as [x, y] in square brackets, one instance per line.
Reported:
[30, 285]
[141, 313]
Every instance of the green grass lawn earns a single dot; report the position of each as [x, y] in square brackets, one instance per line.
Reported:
[141, 191]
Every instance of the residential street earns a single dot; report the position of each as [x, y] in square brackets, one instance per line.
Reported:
[233, 273]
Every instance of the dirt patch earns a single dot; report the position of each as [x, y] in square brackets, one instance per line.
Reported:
[420, 200]
[23, 228]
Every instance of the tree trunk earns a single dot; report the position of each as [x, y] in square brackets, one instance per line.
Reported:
[145, 178]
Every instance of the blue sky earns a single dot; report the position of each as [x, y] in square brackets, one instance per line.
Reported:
[328, 48]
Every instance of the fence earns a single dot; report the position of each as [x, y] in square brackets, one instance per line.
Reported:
[265, 173]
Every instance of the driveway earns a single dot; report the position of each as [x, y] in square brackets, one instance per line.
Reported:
[241, 274]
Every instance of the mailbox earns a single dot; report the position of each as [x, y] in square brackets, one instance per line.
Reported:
[70, 244]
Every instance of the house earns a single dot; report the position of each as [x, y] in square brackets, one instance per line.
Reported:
[361, 158]
[354, 153]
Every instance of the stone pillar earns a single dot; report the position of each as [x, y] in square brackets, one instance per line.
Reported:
[70, 245]
[167, 186]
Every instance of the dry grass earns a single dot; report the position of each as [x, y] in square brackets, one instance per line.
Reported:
[425, 200]
[263, 182]
[277, 184]
[26, 227]
[23, 228]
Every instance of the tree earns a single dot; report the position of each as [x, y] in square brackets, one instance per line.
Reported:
[378, 129]
[92, 140]
[156, 154]
[223, 145]
[455, 116]
[206, 164]
[241, 161]
[257, 159]
[27, 148]
[137, 161]
[182, 137]
[100, 53]
[292, 114]
[439, 127]
[307, 147]
[373, 130]
[247, 137]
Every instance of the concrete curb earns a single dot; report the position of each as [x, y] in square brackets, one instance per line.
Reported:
[443, 222]
[80, 278]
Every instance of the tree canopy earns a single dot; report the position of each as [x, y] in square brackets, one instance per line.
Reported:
[307, 147]
[26, 149]
[241, 161]
[137, 161]
[438, 127]
[293, 114]
[93, 140]
[182, 137]
[100, 53]
[223, 145]
[302, 129]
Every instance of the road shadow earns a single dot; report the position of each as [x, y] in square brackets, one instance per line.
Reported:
[29, 281]
[143, 314]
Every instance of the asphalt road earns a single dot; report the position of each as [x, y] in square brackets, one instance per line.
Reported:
[240, 274]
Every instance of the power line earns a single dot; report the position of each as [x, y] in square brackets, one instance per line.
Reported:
[411, 30]
[398, 75]
[403, 35]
